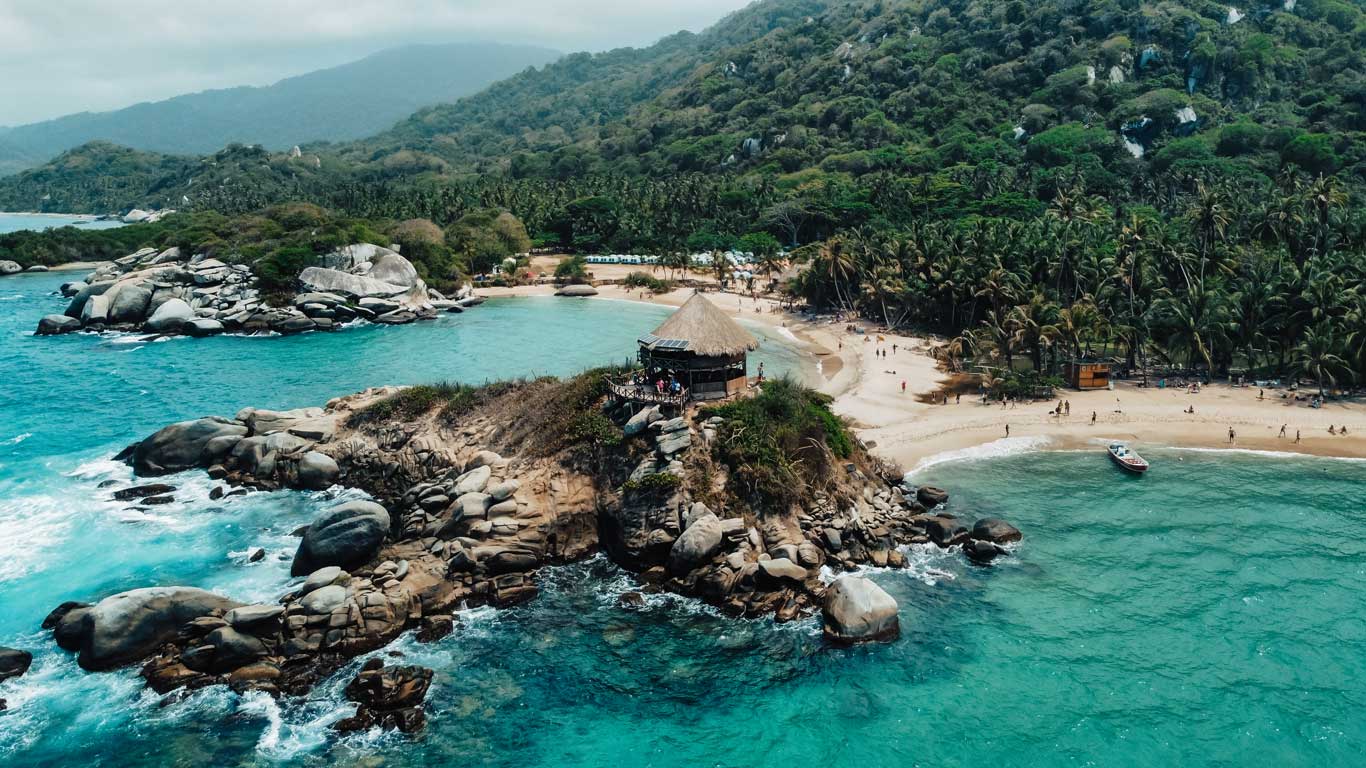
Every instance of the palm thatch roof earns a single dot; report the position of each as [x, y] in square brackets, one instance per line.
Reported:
[699, 327]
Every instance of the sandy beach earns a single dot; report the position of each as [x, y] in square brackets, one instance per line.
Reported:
[903, 427]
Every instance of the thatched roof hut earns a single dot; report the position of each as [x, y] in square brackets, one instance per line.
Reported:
[702, 329]
[702, 348]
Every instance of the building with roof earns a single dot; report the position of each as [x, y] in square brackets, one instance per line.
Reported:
[700, 347]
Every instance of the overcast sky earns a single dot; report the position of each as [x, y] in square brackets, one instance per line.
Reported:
[63, 56]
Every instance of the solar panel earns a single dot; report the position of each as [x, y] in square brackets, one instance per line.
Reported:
[672, 344]
[648, 339]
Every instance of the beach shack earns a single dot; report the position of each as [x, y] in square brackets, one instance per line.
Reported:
[700, 347]
[1087, 374]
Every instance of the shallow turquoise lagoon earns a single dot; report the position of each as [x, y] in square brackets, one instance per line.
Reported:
[1209, 614]
[13, 222]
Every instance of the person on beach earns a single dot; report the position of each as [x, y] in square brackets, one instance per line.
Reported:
[1261, 394]
[958, 399]
[1332, 431]
[1297, 436]
[903, 386]
[1093, 417]
[1343, 431]
[1067, 407]
[1282, 434]
[1231, 435]
[1007, 430]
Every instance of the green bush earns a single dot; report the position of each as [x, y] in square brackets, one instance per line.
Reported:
[647, 281]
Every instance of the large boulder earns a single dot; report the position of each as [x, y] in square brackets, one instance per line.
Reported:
[856, 610]
[126, 627]
[76, 308]
[169, 317]
[945, 531]
[52, 325]
[180, 446]
[128, 302]
[346, 536]
[10, 268]
[697, 545]
[323, 280]
[317, 471]
[392, 268]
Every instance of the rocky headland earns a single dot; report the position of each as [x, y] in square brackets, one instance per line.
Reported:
[168, 292]
[760, 507]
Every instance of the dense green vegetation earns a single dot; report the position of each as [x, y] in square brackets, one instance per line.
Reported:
[282, 240]
[780, 444]
[337, 104]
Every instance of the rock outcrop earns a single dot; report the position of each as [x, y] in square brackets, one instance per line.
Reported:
[169, 292]
[467, 508]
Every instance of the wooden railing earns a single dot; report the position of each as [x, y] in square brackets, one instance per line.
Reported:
[646, 393]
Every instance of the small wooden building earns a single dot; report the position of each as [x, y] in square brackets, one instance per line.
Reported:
[700, 347]
[1087, 374]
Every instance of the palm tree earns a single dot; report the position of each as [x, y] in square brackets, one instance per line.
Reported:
[1317, 355]
[1036, 326]
[837, 263]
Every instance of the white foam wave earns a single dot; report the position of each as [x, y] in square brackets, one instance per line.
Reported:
[1268, 454]
[924, 562]
[17, 439]
[1006, 446]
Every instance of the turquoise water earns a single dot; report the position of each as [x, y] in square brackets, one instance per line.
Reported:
[1209, 614]
[13, 222]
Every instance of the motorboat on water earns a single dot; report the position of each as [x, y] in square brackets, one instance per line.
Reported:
[1126, 459]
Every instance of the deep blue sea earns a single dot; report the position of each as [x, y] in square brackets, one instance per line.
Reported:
[1209, 614]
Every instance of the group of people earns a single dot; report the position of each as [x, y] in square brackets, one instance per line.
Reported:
[661, 385]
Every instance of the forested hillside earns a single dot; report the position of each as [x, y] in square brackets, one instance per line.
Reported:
[863, 110]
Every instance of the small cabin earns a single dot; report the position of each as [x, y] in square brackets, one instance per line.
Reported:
[1087, 374]
[702, 348]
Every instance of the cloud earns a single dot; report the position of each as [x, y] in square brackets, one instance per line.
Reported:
[93, 55]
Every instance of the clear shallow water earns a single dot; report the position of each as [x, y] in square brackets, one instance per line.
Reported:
[1209, 614]
[13, 222]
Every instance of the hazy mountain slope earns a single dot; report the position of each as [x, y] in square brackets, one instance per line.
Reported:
[341, 103]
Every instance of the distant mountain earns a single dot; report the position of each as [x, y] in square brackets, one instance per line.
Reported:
[338, 104]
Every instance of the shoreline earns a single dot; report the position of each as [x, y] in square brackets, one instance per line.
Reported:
[901, 428]
[83, 216]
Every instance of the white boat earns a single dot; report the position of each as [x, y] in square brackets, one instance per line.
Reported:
[1126, 459]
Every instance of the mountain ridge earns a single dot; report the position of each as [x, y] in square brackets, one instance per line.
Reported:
[321, 105]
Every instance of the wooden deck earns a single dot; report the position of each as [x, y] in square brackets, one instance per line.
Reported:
[646, 394]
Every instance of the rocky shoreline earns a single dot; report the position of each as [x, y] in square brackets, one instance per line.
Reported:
[166, 292]
[467, 507]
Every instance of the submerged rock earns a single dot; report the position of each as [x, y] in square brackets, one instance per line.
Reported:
[995, 531]
[13, 663]
[857, 610]
[52, 325]
[390, 697]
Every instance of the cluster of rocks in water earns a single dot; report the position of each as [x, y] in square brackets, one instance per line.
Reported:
[8, 268]
[170, 293]
[454, 522]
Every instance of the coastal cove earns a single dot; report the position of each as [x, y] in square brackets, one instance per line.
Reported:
[1023, 656]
